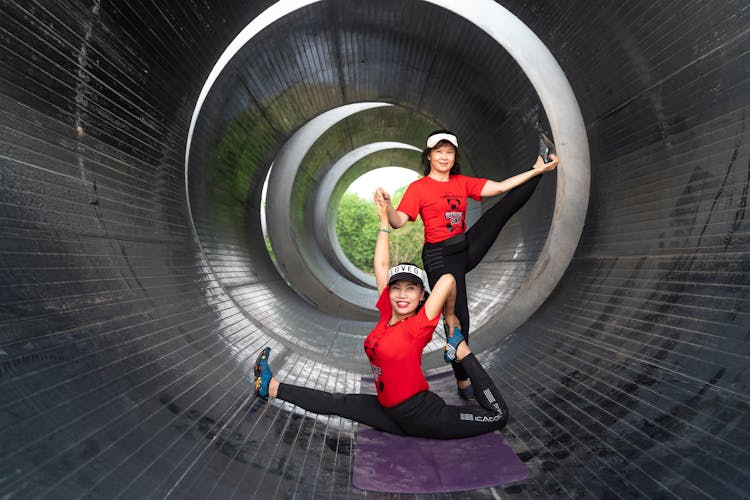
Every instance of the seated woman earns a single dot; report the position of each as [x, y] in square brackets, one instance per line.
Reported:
[404, 404]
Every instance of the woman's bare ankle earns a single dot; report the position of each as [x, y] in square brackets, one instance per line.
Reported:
[273, 387]
[462, 350]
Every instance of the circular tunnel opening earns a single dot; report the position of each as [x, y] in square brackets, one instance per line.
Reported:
[357, 224]
[329, 141]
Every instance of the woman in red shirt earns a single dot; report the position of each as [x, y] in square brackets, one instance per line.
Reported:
[440, 199]
[404, 404]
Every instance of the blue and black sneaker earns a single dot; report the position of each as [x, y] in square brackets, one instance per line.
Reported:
[262, 373]
[546, 147]
[452, 342]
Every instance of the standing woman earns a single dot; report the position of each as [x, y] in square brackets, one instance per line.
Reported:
[404, 404]
[440, 197]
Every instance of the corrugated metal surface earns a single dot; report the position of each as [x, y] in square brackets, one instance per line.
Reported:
[124, 341]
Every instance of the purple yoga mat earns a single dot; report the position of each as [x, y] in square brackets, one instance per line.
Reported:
[398, 464]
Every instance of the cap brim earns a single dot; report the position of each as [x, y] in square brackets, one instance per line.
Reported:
[411, 278]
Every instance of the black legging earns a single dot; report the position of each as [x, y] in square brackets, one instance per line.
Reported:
[461, 254]
[424, 414]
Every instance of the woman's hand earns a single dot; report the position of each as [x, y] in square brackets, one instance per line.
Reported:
[382, 192]
[381, 259]
[542, 167]
[382, 205]
[450, 321]
[394, 218]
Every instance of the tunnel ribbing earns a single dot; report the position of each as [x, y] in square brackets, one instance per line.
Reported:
[124, 345]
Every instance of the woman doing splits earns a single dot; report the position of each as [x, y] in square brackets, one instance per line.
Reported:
[404, 404]
[440, 199]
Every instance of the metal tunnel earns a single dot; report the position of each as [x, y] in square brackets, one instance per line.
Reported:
[137, 287]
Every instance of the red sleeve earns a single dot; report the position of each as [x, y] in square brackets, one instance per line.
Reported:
[424, 328]
[410, 202]
[474, 186]
[384, 304]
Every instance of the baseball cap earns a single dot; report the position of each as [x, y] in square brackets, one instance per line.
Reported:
[407, 272]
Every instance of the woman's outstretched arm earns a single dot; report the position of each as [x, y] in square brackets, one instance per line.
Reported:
[449, 316]
[442, 294]
[493, 188]
[395, 218]
[381, 260]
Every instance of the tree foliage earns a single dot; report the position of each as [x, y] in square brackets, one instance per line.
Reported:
[357, 229]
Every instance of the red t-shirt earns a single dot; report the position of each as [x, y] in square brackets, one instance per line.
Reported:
[395, 353]
[442, 205]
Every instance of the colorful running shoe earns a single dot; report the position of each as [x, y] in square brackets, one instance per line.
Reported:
[546, 147]
[262, 373]
[451, 344]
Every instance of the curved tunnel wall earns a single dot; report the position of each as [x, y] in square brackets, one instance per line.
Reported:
[124, 342]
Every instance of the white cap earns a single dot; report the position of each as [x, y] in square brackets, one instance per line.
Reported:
[435, 138]
[408, 272]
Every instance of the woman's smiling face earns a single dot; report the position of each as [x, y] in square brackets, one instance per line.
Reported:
[442, 157]
[405, 297]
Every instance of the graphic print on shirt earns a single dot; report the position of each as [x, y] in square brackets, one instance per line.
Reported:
[376, 371]
[454, 214]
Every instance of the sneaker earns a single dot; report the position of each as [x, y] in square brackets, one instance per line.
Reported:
[546, 147]
[262, 373]
[451, 345]
[467, 392]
